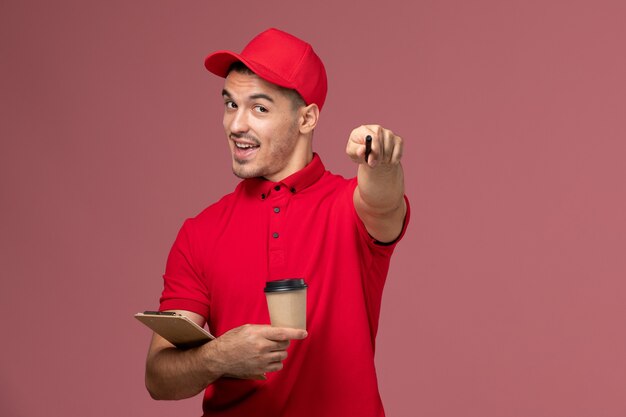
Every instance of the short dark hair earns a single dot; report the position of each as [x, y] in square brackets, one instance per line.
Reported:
[296, 99]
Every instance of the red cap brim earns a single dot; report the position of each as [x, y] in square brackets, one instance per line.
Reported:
[219, 63]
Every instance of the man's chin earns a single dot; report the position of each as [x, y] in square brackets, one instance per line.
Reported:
[243, 176]
[244, 171]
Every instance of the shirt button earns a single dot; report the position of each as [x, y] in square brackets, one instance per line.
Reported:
[276, 210]
[262, 196]
[275, 235]
[277, 188]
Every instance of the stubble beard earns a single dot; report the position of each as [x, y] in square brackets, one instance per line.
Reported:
[239, 169]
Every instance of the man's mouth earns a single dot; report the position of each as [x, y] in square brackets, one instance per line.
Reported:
[245, 146]
[244, 150]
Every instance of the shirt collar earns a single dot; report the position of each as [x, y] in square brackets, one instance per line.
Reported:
[295, 183]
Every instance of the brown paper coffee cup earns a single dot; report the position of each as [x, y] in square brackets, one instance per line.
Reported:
[286, 301]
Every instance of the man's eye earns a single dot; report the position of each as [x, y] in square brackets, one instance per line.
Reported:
[230, 105]
[260, 109]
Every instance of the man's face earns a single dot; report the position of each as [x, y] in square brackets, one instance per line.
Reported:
[261, 125]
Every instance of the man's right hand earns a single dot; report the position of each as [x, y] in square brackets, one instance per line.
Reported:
[249, 351]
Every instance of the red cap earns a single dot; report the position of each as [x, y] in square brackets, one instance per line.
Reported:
[281, 59]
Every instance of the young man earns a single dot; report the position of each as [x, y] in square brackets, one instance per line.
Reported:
[287, 218]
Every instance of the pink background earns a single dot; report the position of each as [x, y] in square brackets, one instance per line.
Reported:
[507, 296]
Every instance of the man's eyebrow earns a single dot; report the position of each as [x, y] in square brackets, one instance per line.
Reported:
[257, 96]
[261, 95]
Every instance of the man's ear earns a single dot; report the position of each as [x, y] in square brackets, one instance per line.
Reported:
[309, 115]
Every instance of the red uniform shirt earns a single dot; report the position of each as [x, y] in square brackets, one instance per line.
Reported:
[302, 227]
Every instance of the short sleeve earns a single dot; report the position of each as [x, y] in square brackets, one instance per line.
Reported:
[184, 287]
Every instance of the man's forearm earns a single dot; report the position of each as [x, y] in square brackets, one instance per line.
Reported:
[379, 201]
[174, 374]
[381, 189]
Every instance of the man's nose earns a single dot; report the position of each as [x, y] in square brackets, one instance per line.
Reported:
[238, 122]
